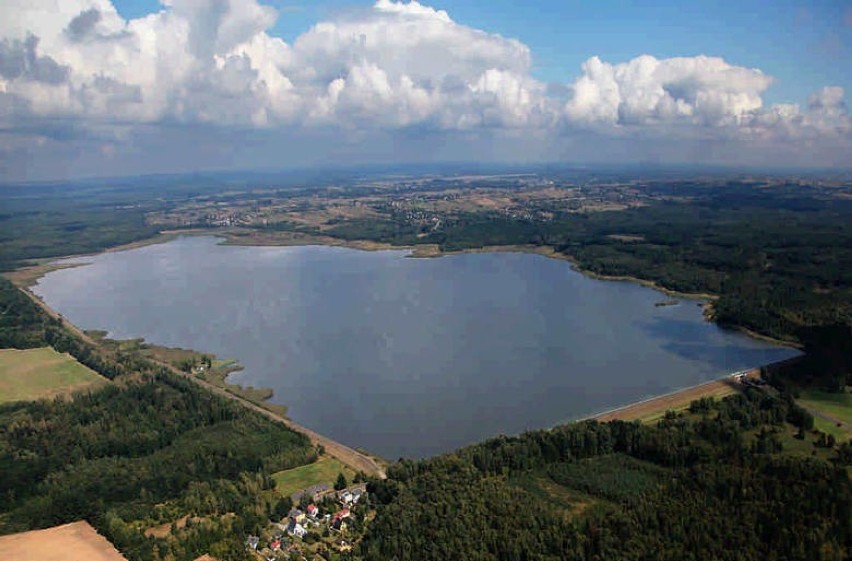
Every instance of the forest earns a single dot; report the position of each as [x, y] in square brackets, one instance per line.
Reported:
[146, 450]
[745, 478]
[714, 483]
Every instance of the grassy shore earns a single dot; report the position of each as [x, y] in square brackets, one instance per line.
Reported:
[203, 366]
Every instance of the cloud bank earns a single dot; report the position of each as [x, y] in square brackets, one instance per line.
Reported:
[78, 66]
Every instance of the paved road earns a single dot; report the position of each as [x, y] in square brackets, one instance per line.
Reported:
[352, 458]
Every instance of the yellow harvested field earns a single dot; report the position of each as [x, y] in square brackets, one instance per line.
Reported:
[38, 373]
[77, 541]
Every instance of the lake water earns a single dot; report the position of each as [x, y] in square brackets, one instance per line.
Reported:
[402, 356]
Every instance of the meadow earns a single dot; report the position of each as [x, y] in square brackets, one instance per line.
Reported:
[42, 373]
[324, 470]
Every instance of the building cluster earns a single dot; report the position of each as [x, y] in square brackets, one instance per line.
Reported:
[287, 540]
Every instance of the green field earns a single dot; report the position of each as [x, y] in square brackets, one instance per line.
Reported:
[38, 373]
[324, 470]
[831, 428]
[835, 405]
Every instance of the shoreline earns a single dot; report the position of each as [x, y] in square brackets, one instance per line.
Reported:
[673, 400]
[368, 463]
[251, 238]
[27, 277]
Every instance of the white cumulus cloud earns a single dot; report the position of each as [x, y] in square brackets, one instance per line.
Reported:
[698, 90]
[393, 66]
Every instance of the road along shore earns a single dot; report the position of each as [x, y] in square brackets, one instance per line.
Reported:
[655, 407]
[349, 456]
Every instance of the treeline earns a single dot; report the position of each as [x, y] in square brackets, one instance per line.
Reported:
[87, 216]
[779, 259]
[24, 325]
[698, 488]
[149, 449]
[67, 231]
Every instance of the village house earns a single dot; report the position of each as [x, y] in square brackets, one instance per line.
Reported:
[313, 510]
[252, 542]
[297, 529]
[345, 497]
[352, 494]
[296, 515]
[339, 524]
[339, 521]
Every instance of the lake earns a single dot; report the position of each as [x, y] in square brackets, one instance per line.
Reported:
[403, 356]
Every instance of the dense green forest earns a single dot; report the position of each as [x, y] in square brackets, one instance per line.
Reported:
[146, 450]
[715, 483]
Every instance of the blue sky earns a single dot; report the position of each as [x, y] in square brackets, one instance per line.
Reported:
[798, 43]
[242, 84]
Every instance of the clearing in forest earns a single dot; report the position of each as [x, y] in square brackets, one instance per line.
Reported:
[322, 471]
[37, 373]
[832, 411]
[835, 405]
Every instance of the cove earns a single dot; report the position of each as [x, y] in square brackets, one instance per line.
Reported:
[401, 356]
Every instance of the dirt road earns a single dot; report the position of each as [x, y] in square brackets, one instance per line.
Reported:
[352, 458]
[649, 408]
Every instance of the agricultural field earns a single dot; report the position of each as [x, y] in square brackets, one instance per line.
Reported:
[77, 541]
[42, 373]
[324, 470]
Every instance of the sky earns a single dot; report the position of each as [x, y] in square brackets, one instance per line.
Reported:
[125, 87]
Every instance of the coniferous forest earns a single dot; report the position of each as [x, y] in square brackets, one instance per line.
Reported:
[715, 483]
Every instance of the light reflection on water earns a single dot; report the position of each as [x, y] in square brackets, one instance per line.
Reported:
[406, 357]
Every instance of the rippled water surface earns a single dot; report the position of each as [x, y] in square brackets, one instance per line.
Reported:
[402, 356]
